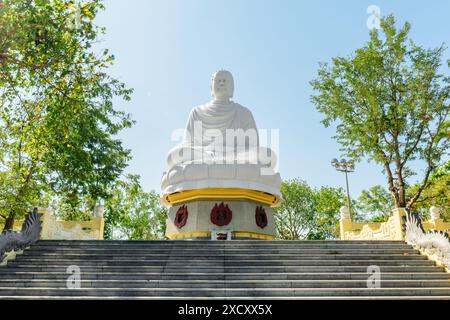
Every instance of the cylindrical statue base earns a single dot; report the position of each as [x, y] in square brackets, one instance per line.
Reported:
[220, 219]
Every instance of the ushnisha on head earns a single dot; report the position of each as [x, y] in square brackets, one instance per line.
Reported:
[222, 85]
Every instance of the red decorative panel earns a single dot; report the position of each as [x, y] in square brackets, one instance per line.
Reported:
[221, 215]
[261, 217]
[181, 216]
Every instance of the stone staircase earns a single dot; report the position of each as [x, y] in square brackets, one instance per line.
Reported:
[222, 270]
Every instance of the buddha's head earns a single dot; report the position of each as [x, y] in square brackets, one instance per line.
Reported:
[222, 85]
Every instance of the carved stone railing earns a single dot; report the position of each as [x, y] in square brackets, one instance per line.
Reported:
[434, 244]
[41, 224]
[436, 223]
[54, 229]
[389, 230]
[72, 230]
[12, 242]
[393, 229]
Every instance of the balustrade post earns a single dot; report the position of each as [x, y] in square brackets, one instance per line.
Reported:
[45, 218]
[398, 214]
[345, 222]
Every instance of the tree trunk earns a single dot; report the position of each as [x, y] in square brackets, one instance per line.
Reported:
[392, 189]
[9, 222]
[402, 197]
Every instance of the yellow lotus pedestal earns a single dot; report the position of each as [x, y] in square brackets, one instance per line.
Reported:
[220, 214]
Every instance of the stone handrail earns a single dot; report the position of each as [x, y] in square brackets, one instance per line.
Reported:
[71, 230]
[41, 224]
[389, 230]
[53, 229]
[11, 242]
[434, 244]
[393, 229]
[436, 223]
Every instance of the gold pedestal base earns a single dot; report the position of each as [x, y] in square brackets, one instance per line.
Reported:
[196, 214]
[220, 194]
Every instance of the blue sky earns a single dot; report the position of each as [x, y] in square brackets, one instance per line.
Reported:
[167, 50]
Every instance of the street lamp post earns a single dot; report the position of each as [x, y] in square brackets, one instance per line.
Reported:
[344, 166]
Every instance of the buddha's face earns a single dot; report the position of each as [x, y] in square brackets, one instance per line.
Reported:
[222, 86]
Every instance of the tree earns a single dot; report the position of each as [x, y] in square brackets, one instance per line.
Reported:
[57, 116]
[295, 214]
[391, 105]
[437, 194]
[307, 213]
[376, 203]
[72, 207]
[131, 213]
[326, 222]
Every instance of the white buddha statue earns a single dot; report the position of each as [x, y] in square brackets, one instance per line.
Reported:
[221, 148]
[219, 114]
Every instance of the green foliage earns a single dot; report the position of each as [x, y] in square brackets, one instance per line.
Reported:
[131, 213]
[56, 105]
[73, 207]
[328, 202]
[376, 204]
[308, 213]
[295, 214]
[436, 194]
[390, 104]
[378, 218]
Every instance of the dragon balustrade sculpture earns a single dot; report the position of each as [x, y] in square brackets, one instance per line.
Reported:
[432, 243]
[11, 240]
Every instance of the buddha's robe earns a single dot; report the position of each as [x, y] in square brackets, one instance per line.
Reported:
[203, 161]
[217, 117]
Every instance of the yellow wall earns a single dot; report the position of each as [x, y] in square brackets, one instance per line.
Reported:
[66, 230]
[389, 230]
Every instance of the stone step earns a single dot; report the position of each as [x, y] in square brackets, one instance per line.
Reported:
[11, 274]
[222, 292]
[220, 252]
[234, 298]
[214, 258]
[220, 247]
[218, 263]
[194, 284]
[207, 251]
[160, 243]
[223, 247]
[222, 269]
[208, 242]
[218, 257]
